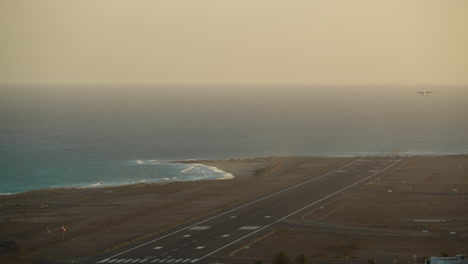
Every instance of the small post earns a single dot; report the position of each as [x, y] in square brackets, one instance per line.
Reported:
[63, 232]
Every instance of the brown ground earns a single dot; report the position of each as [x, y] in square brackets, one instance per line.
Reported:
[369, 221]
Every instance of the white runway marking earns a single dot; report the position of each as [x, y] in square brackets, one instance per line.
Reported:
[200, 247]
[167, 260]
[373, 171]
[225, 235]
[187, 235]
[249, 227]
[342, 171]
[158, 247]
[233, 217]
[267, 216]
[199, 228]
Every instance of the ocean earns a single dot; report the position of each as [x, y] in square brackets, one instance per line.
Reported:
[90, 136]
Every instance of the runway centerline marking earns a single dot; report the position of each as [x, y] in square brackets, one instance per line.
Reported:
[199, 228]
[249, 228]
[235, 209]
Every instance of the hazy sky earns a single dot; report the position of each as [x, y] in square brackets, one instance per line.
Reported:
[234, 42]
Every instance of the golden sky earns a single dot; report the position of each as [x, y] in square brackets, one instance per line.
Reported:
[234, 41]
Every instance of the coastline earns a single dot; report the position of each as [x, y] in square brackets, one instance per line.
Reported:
[239, 167]
[103, 218]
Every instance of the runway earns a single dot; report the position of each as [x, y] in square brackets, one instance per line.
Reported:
[232, 228]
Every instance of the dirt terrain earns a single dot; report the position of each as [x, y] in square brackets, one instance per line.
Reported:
[418, 209]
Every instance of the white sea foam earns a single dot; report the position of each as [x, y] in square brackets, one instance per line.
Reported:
[96, 184]
[140, 162]
[187, 169]
[224, 175]
[227, 176]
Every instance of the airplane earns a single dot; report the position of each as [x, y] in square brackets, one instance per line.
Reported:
[425, 92]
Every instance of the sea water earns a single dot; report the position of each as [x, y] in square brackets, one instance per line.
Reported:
[91, 136]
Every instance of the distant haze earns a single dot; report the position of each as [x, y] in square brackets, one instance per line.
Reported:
[234, 42]
[216, 121]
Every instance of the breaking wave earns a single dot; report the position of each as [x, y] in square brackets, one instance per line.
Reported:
[169, 171]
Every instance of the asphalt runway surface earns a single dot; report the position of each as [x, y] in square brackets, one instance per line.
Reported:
[232, 228]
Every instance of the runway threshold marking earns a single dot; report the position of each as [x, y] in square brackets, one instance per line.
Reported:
[167, 260]
[235, 209]
[297, 211]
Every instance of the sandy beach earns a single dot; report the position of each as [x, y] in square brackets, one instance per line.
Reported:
[101, 219]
